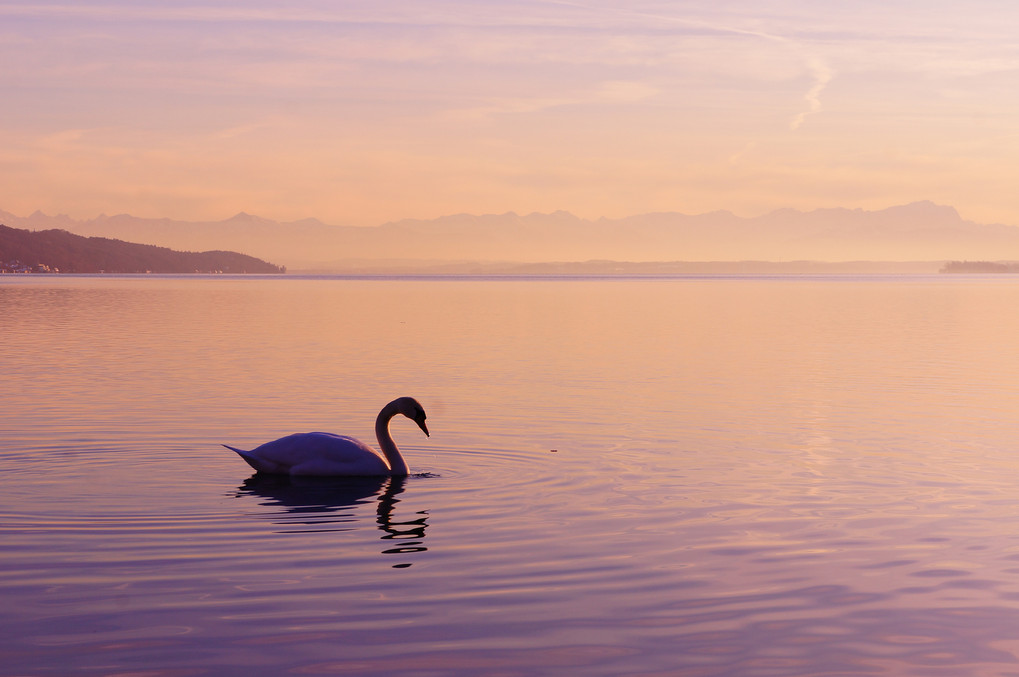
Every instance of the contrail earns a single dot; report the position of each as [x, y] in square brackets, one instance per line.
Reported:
[820, 72]
[822, 76]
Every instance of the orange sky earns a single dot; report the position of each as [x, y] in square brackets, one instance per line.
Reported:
[363, 112]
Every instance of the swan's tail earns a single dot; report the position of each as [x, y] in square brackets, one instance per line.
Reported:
[243, 454]
[259, 464]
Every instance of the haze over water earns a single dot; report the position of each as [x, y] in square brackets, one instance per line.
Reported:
[693, 476]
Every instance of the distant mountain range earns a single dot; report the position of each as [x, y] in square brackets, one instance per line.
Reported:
[59, 251]
[921, 231]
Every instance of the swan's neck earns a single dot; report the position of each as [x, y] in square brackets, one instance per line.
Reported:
[397, 466]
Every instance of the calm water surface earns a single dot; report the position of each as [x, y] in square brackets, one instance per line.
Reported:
[763, 476]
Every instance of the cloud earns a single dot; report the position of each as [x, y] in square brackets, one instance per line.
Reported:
[619, 91]
[610, 92]
[822, 75]
[721, 25]
[111, 11]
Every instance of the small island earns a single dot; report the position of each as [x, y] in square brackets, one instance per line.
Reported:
[58, 251]
[980, 267]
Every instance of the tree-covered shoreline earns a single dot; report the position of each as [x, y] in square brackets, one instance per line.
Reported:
[58, 251]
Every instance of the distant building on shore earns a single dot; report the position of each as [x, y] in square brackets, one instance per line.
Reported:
[17, 267]
[981, 267]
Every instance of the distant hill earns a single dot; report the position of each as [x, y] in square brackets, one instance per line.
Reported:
[59, 250]
[921, 231]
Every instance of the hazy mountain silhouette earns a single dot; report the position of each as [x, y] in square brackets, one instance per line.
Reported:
[921, 231]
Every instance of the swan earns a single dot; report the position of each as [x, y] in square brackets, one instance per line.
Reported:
[334, 455]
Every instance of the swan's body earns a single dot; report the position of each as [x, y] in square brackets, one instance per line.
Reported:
[333, 455]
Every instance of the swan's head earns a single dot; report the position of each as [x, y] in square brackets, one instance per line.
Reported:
[413, 410]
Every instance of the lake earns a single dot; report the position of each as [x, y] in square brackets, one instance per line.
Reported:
[690, 476]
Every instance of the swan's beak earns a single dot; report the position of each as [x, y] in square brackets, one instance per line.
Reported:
[421, 424]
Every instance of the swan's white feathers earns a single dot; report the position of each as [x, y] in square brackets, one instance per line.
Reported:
[315, 454]
[320, 453]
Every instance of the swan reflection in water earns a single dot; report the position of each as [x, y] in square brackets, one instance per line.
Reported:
[321, 504]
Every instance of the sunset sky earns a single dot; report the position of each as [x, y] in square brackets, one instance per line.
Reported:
[359, 113]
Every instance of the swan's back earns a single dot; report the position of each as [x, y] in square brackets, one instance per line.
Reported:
[329, 454]
[315, 453]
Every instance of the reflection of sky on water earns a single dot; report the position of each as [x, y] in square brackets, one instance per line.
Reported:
[752, 477]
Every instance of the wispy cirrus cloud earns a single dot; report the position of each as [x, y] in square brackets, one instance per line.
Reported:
[595, 106]
[821, 75]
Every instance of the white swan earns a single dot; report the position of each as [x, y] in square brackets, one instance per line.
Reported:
[332, 455]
